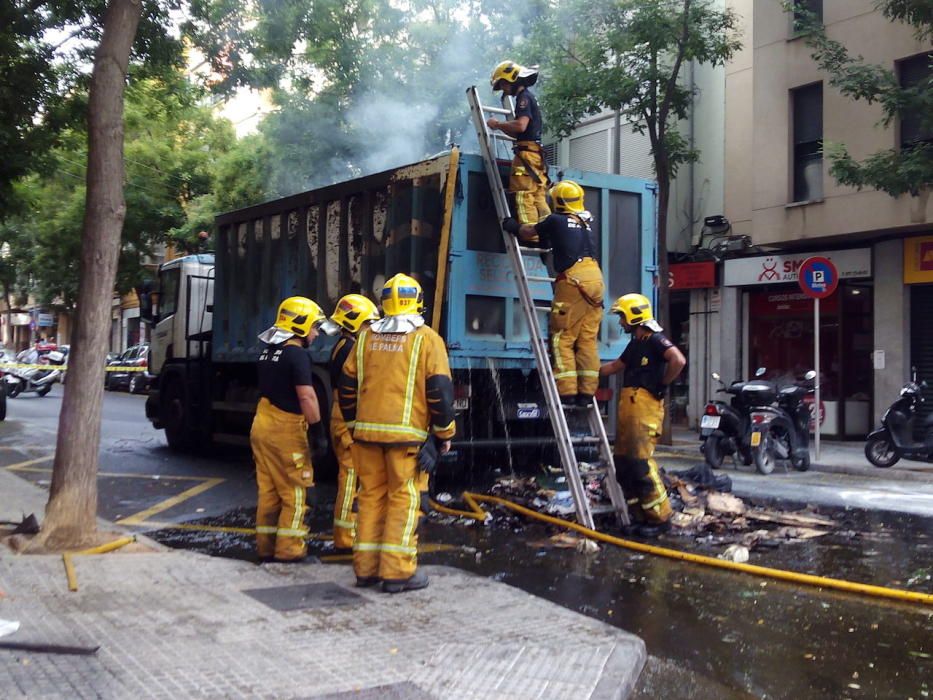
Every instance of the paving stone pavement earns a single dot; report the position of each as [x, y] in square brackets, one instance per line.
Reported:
[176, 624]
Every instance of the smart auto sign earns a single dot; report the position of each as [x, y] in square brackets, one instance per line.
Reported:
[778, 269]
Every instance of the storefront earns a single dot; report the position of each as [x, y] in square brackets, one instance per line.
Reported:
[684, 279]
[779, 331]
[918, 275]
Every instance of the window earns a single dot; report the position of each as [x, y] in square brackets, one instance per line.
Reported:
[168, 294]
[485, 316]
[915, 72]
[802, 8]
[808, 142]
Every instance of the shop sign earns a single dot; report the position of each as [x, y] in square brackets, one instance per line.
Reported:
[45, 320]
[19, 319]
[779, 269]
[918, 260]
[696, 275]
[794, 303]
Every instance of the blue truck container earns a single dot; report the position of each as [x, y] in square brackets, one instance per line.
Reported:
[436, 221]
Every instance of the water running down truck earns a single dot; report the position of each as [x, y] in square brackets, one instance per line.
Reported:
[352, 236]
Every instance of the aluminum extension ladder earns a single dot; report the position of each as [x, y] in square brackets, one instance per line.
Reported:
[516, 253]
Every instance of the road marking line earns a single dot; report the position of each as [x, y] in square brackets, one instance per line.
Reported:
[24, 466]
[143, 515]
[21, 467]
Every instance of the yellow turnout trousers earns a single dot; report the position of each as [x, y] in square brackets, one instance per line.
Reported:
[283, 474]
[576, 314]
[389, 512]
[641, 415]
[529, 186]
[345, 504]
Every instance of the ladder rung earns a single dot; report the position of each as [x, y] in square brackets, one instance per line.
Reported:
[604, 508]
[588, 440]
[540, 279]
[497, 110]
[501, 137]
[543, 308]
[528, 250]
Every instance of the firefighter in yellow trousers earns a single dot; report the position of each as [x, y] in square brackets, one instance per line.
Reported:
[577, 308]
[649, 363]
[396, 395]
[528, 179]
[279, 435]
[353, 313]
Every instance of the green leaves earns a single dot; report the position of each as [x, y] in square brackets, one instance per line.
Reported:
[907, 170]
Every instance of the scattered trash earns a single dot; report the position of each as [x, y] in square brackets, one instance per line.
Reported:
[561, 504]
[49, 648]
[703, 475]
[587, 546]
[8, 627]
[443, 498]
[724, 504]
[736, 553]
[29, 525]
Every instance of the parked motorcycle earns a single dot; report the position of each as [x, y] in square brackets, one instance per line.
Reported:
[780, 425]
[39, 380]
[894, 440]
[725, 427]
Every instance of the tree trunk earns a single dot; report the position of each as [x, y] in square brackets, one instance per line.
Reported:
[71, 514]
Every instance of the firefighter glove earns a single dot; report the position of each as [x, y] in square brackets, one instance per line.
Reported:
[511, 225]
[429, 454]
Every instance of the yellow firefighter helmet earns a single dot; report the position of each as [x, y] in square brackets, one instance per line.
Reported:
[511, 72]
[353, 310]
[634, 308]
[567, 197]
[298, 316]
[402, 295]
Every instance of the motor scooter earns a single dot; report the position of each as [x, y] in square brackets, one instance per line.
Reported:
[894, 440]
[37, 379]
[780, 426]
[724, 427]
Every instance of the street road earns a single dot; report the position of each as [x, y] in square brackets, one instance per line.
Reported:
[721, 634]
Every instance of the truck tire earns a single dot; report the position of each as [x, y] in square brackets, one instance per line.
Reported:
[174, 411]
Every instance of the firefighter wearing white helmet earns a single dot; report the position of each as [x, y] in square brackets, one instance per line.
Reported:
[528, 180]
[353, 313]
[396, 395]
[288, 406]
[577, 308]
[649, 363]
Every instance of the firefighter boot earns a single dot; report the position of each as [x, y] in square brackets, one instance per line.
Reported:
[415, 582]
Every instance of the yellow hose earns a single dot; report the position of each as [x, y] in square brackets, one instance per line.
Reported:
[110, 546]
[477, 513]
[70, 572]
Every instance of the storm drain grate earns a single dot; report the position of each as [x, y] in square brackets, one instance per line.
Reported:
[395, 691]
[305, 596]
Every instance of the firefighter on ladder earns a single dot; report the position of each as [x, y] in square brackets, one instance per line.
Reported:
[577, 308]
[528, 180]
[396, 396]
[352, 313]
[279, 435]
[649, 363]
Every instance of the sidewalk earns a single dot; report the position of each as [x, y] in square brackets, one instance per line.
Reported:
[836, 457]
[176, 624]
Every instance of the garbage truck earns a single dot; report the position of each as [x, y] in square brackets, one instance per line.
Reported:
[435, 220]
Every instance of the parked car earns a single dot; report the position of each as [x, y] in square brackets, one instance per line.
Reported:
[136, 382]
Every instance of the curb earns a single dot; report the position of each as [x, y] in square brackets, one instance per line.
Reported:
[890, 474]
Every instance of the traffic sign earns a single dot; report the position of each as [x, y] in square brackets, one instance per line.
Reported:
[818, 277]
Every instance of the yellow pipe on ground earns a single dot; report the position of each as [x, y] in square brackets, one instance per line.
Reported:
[70, 572]
[474, 499]
[110, 546]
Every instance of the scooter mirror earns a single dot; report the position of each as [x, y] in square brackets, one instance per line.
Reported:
[810, 375]
[715, 375]
[760, 371]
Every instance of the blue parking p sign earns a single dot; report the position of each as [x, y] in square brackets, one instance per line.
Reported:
[818, 277]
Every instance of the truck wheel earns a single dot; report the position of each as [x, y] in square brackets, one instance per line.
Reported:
[175, 417]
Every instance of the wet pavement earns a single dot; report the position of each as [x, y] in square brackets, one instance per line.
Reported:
[736, 635]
